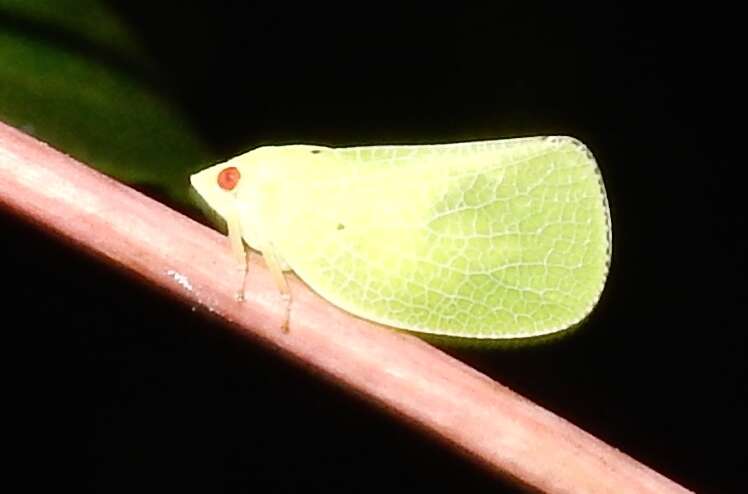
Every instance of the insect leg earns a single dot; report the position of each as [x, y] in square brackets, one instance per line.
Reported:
[280, 281]
[240, 253]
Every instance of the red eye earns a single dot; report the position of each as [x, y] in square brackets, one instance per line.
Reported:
[228, 178]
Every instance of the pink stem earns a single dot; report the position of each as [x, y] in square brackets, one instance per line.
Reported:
[398, 371]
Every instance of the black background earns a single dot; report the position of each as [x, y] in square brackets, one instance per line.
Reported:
[135, 393]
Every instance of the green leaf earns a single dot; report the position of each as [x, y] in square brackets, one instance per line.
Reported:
[72, 75]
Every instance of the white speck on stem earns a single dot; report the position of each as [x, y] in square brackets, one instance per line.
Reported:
[183, 281]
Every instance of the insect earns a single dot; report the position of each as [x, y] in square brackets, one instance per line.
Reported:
[492, 239]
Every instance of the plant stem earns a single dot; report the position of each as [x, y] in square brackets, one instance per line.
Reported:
[398, 371]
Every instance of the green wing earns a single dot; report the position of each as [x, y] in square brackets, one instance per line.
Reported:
[497, 239]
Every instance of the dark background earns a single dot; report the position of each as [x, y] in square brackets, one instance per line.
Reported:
[132, 392]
